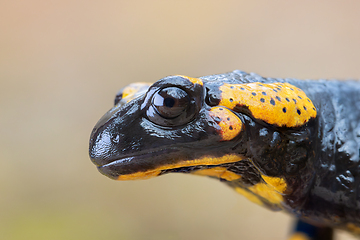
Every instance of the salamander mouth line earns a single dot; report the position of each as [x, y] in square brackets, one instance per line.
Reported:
[119, 161]
[129, 157]
[203, 161]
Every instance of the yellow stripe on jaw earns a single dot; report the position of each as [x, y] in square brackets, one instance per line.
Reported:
[277, 183]
[250, 196]
[281, 104]
[261, 190]
[218, 172]
[267, 192]
[271, 190]
[207, 160]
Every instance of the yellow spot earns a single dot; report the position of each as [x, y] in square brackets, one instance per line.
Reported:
[277, 103]
[134, 90]
[353, 228]
[193, 80]
[251, 197]
[278, 184]
[218, 172]
[267, 192]
[207, 160]
[128, 91]
[229, 123]
[299, 236]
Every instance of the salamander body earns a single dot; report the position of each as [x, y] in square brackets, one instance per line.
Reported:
[286, 144]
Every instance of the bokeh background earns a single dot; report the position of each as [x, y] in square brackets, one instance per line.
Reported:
[62, 62]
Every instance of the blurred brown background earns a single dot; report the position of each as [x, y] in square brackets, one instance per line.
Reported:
[61, 63]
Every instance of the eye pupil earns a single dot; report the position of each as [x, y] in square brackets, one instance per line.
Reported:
[175, 104]
[169, 102]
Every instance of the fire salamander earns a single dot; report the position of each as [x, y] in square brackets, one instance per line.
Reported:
[285, 144]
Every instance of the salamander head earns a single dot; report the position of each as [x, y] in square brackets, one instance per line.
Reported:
[183, 124]
[168, 127]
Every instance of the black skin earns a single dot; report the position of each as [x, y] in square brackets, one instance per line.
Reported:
[318, 160]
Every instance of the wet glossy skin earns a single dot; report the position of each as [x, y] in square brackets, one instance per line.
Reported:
[283, 143]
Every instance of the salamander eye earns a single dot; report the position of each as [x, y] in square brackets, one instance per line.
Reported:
[171, 106]
[170, 102]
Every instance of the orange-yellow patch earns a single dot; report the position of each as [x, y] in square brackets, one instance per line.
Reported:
[131, 89]
[277, 183]
[276, 103]
[134, 90]
[193, 80]
[267, 192]
[261, 191]
[229, 123]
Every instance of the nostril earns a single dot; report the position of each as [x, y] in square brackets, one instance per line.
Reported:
[108, 138]
[102, 147]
